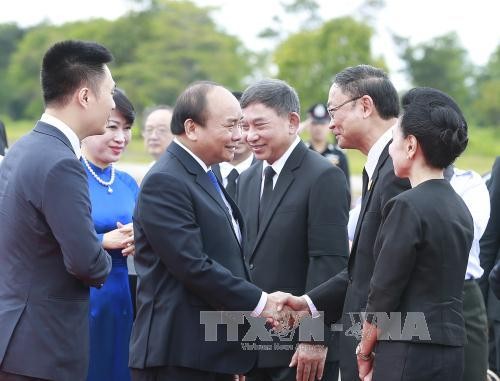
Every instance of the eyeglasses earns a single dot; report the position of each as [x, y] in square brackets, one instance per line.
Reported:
[160, 131]
[333, 110]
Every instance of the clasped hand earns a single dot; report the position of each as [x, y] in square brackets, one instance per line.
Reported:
[120, 238]
[285, 311]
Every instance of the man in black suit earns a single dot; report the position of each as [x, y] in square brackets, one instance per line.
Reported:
[297, 232]
[489, 255]
[189, 255]
[363, 106]
[49, 250]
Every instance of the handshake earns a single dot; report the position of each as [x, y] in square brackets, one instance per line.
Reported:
[285, 311]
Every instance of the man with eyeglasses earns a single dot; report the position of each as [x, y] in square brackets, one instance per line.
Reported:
[156, 132]
[363, 106]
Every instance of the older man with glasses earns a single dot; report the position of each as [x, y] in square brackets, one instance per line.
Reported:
[156, 131]
[363, 106]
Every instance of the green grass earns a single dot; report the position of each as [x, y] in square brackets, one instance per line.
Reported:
[484, 146]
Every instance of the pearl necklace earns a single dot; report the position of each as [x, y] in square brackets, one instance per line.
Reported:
[98, 179]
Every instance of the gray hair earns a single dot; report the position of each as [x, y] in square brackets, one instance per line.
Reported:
[273, 93]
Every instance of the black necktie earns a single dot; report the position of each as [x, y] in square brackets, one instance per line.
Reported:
[365, 183]
[267, 192]
[231, 183]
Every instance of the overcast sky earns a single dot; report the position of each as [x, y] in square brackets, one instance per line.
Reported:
[476, 22]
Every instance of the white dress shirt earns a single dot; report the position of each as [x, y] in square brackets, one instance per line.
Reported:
[471, 187]
[376, 150]
[278, 164]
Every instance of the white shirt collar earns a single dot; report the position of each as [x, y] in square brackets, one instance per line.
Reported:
[67, 131]
[376, 151]
[198, 160]
[226, 168]
[280, 163]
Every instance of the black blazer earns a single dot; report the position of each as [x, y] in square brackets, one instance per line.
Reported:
[347, 292]
[49, 255]
[188, 260]
[3, 139]
[490, 247]
[421, 255]
[302, 239]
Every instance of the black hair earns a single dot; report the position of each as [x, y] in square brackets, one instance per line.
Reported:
[191, 104]
[69, 64]
[124, 106]
[437, 123]
[368, 80]
[237, 94]
[273, 93]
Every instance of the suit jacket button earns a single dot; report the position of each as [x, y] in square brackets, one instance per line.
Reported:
[251, 266]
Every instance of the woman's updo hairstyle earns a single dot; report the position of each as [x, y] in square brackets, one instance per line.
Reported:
[437, 123]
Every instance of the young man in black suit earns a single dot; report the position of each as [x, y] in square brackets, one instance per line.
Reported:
[296, 217]
[189, 249]
[49, 250]
[363, 106]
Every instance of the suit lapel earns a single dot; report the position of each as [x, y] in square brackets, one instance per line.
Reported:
[217, 172]
[48, 129]
[254, 186]
[285, 179]
[202, 179]
[384, 156]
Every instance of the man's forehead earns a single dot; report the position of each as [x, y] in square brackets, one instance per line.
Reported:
[334, 93]
[258, 111]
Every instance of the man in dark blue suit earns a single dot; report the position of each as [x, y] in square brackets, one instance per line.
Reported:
[49, 251]
[189, 254]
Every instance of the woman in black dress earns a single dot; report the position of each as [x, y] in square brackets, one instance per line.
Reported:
[414, 329]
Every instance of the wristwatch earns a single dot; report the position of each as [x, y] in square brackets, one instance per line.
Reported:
[362, 356]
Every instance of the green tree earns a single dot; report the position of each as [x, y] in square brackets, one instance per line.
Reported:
[10, 35]
[441, 63]
[486, 106]
[158, 51]
[181, 44]
[309, 60]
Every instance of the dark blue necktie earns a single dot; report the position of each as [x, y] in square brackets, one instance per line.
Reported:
[214, 181]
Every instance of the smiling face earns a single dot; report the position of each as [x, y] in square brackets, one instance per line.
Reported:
[345, 121]
[217, 140]
[268, 134]
[105, 149]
